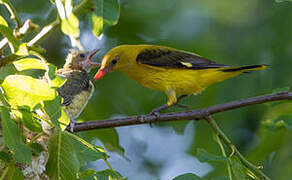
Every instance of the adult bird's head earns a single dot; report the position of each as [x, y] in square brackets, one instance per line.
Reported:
[79, 60]
[116, 59]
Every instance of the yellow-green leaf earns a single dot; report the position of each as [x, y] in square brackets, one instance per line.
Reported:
[70, 26]
[63, 162]
[13, 138]
[29, 63]
[23, 90]
[106, 14]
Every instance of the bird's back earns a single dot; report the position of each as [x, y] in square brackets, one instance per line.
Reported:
[76, 91]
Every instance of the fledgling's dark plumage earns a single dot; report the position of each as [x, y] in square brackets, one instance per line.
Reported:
[78, 88]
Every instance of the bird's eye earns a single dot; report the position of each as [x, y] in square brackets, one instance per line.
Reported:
[114, 61]
[82, 55]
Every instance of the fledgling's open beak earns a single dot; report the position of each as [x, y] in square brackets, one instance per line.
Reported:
[101, 72]
[88, 63]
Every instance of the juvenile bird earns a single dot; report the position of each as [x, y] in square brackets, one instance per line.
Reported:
[78, 88]
[173, 71]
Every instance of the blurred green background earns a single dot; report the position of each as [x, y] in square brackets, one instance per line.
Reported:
[231, 32]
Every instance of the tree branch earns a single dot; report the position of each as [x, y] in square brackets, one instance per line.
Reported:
[186, 115]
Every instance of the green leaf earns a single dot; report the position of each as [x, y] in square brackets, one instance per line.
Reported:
[23, 90]
[278, 1]
[109, 138]
[13, 138]
[70, 26]
[8, 33]
[29, 63]
[279, 116]
[85, 151]
[14, 173]
[22, 50]
[204, 156]
[107, 174]
[87, 174]
[187, 176]
[237, 168]
[53, 79]
[56, 114]
[4, 156]
[106, 14]
[63, 162]
[36, 148]
[25, 115]
[7, 70]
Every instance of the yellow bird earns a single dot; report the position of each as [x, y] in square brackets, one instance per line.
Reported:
[173, 71]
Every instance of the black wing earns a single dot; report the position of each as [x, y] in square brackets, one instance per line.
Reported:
[77, 81]
[171, 58]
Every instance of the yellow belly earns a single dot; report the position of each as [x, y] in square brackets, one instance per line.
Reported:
[182, 81]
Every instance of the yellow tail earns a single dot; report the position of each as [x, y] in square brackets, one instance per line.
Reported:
[244, 68]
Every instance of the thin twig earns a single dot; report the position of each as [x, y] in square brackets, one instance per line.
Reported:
[79, 9]
[185, 115]
[27, 27]
[227, 141]
[224, 154]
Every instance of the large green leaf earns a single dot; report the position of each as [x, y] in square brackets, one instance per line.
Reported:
[13, 173]
[85, 151]
[56, 113]
[29, 63]
[13, 138]
[204, 156]
[187, 176]
[63, 161]
[106, 14]
[6, 31]
[23, 90]
[25, 115]
[238, 169]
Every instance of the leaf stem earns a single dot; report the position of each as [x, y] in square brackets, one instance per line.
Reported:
[224, 154]
[108, 164]
[227, 141]
[4, 173]
[35, 138]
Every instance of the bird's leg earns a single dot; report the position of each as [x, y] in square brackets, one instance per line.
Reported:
[72, 124]
[172, 101]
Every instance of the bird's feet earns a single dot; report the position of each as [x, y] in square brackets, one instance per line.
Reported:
[72, 125]
[156, 111]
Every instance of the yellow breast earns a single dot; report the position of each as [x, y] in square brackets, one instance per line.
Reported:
[182, 81]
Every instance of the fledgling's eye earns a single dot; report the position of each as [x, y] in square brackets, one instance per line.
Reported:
[82, 55]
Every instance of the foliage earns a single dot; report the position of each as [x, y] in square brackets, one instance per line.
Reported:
[23, 91]
[24, 94]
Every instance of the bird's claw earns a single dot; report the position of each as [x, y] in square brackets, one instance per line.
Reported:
[72, 125]
[182, 106]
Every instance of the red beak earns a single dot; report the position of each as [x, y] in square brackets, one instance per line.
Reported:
[101, 72]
